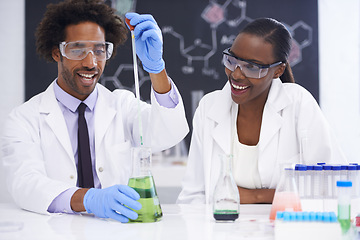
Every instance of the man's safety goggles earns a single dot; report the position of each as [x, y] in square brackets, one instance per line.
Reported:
[80, 49]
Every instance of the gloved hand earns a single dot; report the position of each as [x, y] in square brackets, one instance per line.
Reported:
[109, 202]
[148, 41]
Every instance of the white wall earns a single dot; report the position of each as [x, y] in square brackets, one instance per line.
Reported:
[339, 38]
[12, 62]
[339, 32]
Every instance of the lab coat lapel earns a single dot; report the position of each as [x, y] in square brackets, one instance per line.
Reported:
[272, 119]
[55, 119]
[104, 114]
[220, 113]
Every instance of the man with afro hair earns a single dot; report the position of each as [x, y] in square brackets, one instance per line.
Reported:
[48, 170]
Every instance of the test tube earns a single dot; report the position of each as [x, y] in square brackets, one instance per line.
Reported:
[308, 181]
[317, 180]
[344, 204]
[343, 173]
[327, 181]
[335, 177]
[352, 176]
[300, 171]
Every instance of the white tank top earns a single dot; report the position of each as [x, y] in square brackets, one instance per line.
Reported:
[245, 164]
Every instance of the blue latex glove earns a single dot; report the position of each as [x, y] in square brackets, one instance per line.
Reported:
[109, 202]
[148, 41]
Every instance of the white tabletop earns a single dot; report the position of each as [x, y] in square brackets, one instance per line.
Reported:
[178, 222]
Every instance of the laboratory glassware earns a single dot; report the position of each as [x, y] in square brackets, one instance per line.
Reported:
[344, 204]
[286, 196]
[226, 200]
[142, 182]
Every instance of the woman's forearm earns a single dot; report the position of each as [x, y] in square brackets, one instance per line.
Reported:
[251, 196]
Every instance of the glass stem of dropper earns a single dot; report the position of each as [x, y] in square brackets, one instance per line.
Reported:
[137, 87]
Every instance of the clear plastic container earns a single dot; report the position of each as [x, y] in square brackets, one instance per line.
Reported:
[352, 177]
[335, 177]
[308, 181]
[327, 182]
[300, 178]
[343, 173]
[317, 182]
[344, 204]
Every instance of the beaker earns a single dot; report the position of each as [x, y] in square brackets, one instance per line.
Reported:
[226, 199]
[142, 182]
[286, 196]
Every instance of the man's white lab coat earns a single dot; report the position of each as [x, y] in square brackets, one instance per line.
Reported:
[292, 122]
[37, 153]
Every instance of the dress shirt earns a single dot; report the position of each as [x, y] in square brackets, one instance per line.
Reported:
[68, 105]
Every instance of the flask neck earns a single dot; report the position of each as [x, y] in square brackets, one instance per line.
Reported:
[141, 159]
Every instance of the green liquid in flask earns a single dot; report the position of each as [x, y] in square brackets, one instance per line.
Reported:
[151, 209]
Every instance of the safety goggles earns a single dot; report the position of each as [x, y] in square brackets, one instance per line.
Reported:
[80, 49]
[248, 68]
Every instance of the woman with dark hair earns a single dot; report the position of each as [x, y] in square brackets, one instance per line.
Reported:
[261, 117]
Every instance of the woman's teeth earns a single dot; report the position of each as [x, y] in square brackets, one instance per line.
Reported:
[239, 87]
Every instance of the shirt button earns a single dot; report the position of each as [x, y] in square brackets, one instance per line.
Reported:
[71, 176]
[101, 169]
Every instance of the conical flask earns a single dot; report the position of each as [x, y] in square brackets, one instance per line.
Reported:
[226, 202]
[143, 183]
[286, 196]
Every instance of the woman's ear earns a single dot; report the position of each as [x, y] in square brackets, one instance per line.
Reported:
[56, 54]
[279, 70]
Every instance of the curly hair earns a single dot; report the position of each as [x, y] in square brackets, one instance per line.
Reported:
[51, 30]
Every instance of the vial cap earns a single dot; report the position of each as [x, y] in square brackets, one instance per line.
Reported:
[320, 163]
[300, 167]
[336, 168]
[318, 167]
[333, 217]
[344, 183]
[312, 216]
[351, 167]
[343, 167]
[327, 167]
[279, 214]
[310, 167]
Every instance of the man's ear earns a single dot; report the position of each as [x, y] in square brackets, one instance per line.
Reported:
[280, 70]
[56, 54]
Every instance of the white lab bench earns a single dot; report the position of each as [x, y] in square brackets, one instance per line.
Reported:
[178, 222]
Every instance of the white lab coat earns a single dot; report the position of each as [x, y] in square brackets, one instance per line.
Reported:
[37, 153]
[292, 120]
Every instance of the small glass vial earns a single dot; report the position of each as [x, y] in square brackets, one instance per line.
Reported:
[352, 177]
[327, 181]
[300, 178]
[344, 204]
[317, 182]
[335, 177]
[309, 181]
[226, 202]
[343, 173]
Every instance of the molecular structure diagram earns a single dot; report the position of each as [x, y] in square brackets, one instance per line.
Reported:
[216, 15]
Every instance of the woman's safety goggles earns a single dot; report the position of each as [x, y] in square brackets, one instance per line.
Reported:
[80, 49]
[248, 68]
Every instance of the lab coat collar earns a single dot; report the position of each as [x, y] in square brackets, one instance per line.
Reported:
[272, 119]
[55, 119]
[271, 122]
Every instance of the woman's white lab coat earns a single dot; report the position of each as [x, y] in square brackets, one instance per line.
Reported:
[37, 152]
[292, 122]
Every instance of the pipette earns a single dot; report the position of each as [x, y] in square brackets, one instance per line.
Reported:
[136, 75]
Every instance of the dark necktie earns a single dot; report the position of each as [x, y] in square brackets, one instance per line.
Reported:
[85, 175]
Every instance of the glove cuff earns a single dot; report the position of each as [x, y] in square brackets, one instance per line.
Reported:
[156, 67]
[87, 198]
